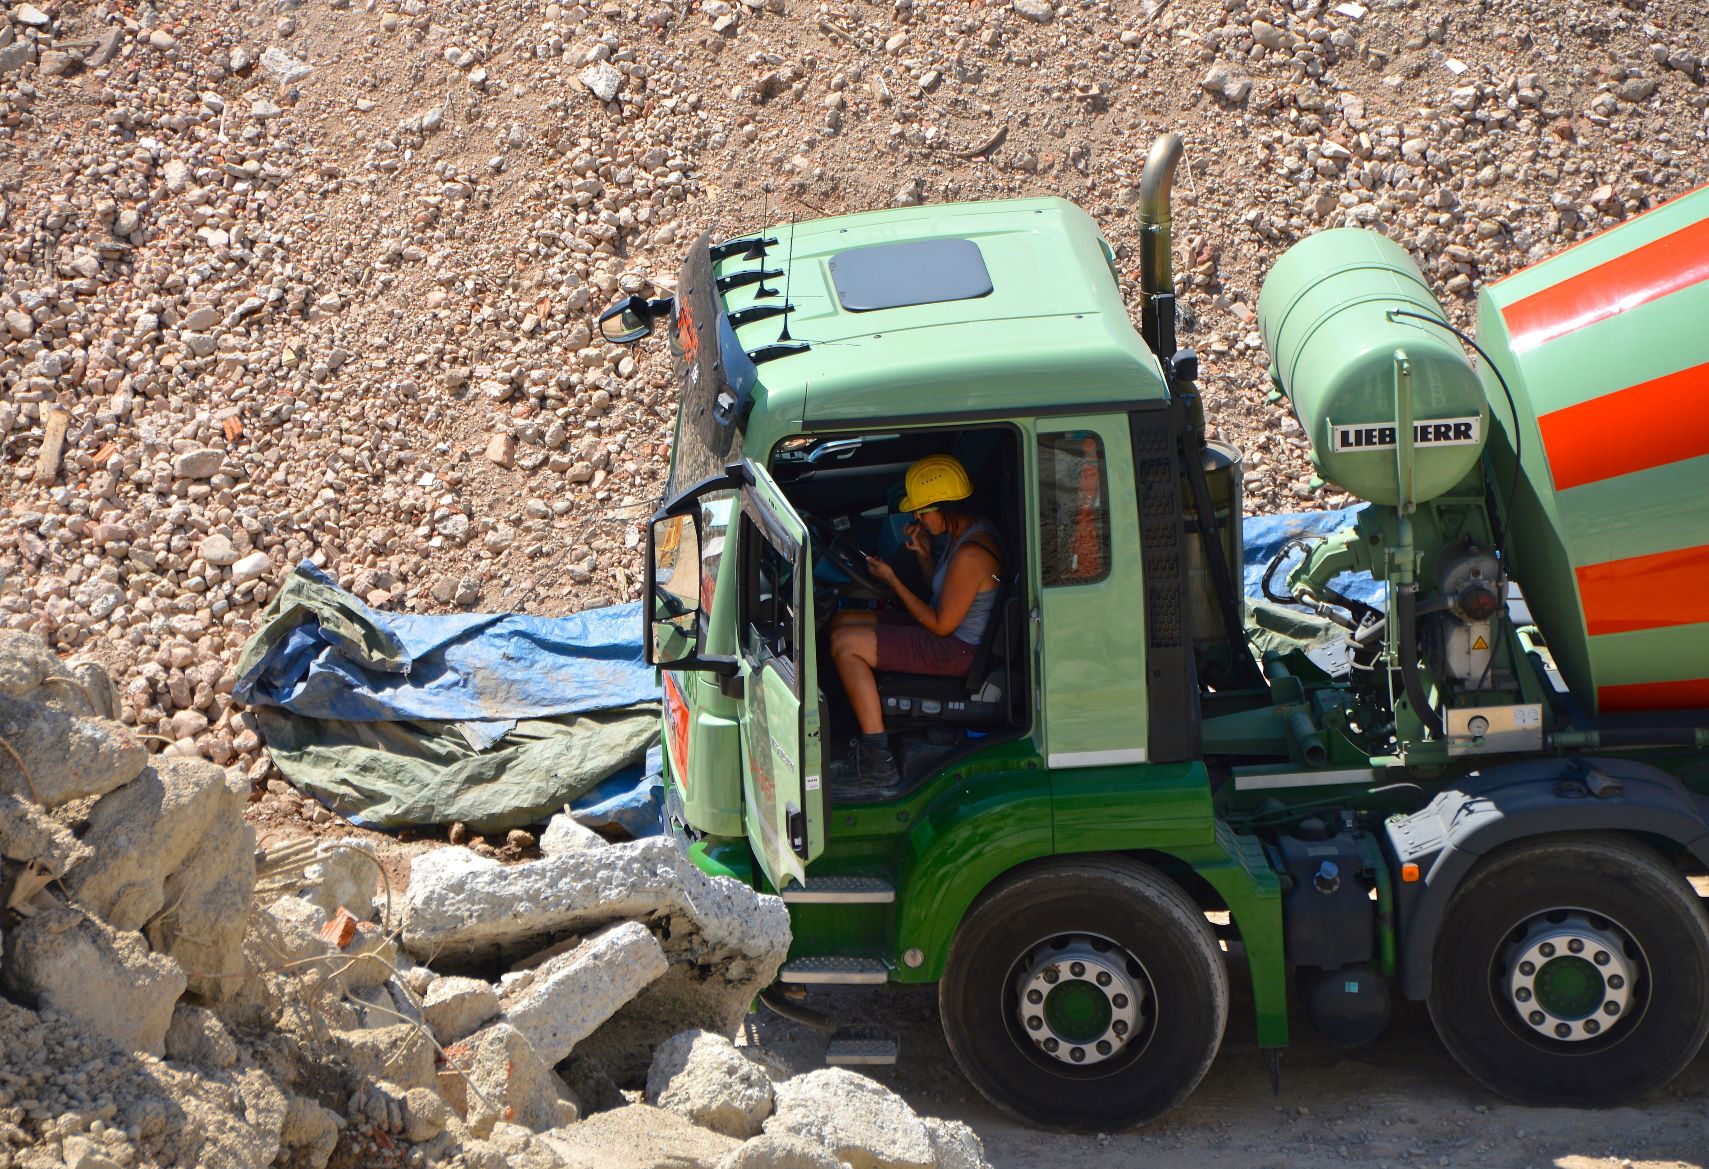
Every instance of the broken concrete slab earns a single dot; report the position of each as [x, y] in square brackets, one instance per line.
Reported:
[456, 1007]
[562, 1002]
[206, 912]
[701, 1077]
[638, 1136]
[504, 1079]
[76, 966]
[725, 942]
[860, 1120]
[462, 906]
[146, 831]
[955, 1145]
[54, 757]
[29, 834]
[399, 1054]
[196, 1036]
[780, 1151]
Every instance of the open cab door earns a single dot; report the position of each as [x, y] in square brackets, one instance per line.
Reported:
[783, 802]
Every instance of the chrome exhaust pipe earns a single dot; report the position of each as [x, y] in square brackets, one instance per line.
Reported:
[1156, 246]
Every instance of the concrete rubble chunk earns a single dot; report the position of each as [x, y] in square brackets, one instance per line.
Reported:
[725, 942]
[284, 68]
[955, 1145]
[456, 1007]
[26, 663]
[399, 1054]
[505, 1079]
[602, 80]
[780, 1151]
[860, 1120]
[638, 1136]
[564, 835]
[146, 831]
[568, 996]
[206, 913]
[64, 757]
[29, 834]
[74, 965]
[701, 1077]
[309, 1134]
[196, 1036]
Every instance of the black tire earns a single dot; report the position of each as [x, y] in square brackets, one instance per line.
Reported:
[1136, 909]
[1594, 880]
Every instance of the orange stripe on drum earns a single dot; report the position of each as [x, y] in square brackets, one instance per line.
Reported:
[1675, 261]
[1692, 694]
[1658, 591]
[1648, 425]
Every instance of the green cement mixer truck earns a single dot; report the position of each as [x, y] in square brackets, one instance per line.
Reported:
[1482, 786]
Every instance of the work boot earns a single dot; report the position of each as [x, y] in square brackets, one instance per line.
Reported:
[874, 765]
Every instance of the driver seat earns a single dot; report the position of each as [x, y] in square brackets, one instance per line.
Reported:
[982, 698]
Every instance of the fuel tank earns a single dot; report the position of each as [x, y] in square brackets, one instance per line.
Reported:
[1327, 315]
[1605, 348]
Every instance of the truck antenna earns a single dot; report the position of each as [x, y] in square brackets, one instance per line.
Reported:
[788, 279]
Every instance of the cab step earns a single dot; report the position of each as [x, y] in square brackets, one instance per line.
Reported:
[835, 971]
[859, 1051]
[841, 891]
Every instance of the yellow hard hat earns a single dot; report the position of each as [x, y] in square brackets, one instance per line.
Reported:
[935, 479]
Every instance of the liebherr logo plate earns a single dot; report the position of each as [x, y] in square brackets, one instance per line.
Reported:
[1380, 436]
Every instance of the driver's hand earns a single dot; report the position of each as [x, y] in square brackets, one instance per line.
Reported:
[881, 570]
[916, 540]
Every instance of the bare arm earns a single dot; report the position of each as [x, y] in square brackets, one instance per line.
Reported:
[971, 566]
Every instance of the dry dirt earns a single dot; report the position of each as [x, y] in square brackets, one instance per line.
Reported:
[316, 280]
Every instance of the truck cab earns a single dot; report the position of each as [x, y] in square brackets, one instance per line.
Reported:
[1142, 776]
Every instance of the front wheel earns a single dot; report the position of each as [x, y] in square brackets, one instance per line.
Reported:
[1087, 996]
[1573, 971]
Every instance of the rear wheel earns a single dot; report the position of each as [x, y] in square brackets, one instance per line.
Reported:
[1085, 996]
[1574, 970]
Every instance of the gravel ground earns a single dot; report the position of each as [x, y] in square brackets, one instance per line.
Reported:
[316, 280]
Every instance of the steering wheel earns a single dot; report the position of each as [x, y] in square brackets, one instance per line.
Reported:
[843, 554]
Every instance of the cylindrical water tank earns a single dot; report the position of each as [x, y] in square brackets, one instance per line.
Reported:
[1325, 313]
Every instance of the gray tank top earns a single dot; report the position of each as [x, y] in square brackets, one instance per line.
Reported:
[972, 626]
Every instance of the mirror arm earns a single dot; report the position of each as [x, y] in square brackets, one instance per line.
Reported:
[733, 477]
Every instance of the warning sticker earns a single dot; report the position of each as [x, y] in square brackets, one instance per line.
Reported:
[1380, 436]
[1480, 644]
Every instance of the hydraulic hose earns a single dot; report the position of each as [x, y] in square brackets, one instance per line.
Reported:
[1406, 634]
[774, 998]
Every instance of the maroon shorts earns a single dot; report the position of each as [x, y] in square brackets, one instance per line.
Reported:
[905, 647]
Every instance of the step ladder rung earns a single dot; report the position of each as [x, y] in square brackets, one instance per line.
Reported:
[835, 971]
[842, 1053]
[841, 891]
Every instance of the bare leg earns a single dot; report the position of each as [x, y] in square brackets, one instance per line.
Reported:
[854, 649]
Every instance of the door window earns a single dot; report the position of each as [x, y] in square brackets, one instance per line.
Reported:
[1074, 508]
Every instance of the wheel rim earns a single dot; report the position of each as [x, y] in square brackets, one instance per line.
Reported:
[1571, 976]
[1082, 1000]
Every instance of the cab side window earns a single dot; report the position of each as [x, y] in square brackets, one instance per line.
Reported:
[768, 583]
[1074, 508]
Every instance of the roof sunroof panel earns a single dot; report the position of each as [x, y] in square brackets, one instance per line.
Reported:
[917, 272]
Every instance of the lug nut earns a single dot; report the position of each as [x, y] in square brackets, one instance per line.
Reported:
[1034, 1022]
[1078, 1055]
[1119, 1027]
[1602, 958]
[1616, 981]
[1051, 976]
[1563, 1030]
[1576, 946]
[1035, 996]
[1547, 949]
[1527, 968]
[1104, 1047]
[1610, 1008]
[1051, 1045]
[1537, 1018]
[1077, 969]
[1103, 978]
[1119, 1002]
[1523, 994]
[1591, 1026]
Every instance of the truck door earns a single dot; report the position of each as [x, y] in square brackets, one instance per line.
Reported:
[783, 804]
[1092, 594]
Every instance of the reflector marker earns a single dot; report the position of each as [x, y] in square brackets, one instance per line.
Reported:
[1646, 273]
[1692, 694]
[1657, 591]
[1648, 425]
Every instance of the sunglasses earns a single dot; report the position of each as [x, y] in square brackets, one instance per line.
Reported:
[920, 511]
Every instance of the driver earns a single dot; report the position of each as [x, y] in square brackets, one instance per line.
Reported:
[928, 637]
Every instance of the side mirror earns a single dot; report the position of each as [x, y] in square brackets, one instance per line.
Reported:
[627, 321]
[672, 643]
